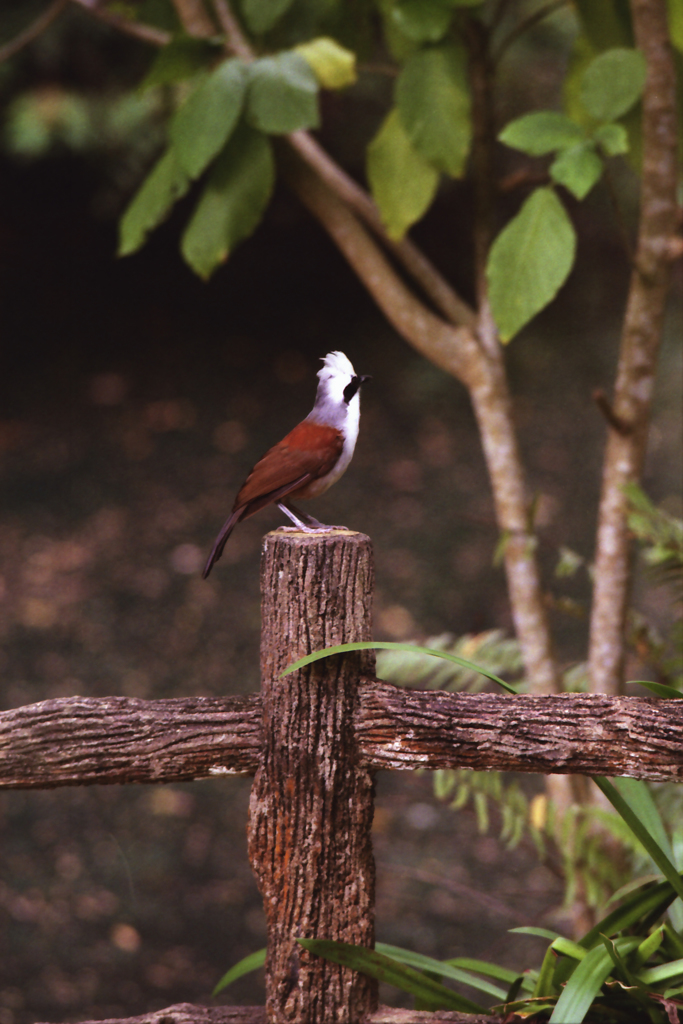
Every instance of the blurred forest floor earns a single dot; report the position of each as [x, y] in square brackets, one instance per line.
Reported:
[133, 401]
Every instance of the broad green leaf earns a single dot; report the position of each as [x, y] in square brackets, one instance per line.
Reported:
[283, 94]
[613, 138]
[249, 963]
[384, 968]
[641, 831]
[390, 645]
[612, 83]
[182, 58]
[423, 21]
[166, 183]
[444, 968]
[403, 184]
[585, 983]
[233, 201]
[432, 96]
[261, 15]
[675, 14]
[542, 132]
[206, 120]
[332, 64]
[577, 168]
[529, 261]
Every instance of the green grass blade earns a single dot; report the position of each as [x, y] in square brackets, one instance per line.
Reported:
[384, 968]
[387, 645]
[484, 967]
[661, 689]
[585, 983]
[651, 902]
[249, 963]
[671, 972]
[544, 983]
[445, 969]
[641, 832]
[541, 933]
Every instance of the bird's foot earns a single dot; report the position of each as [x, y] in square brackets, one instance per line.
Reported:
[309, 528]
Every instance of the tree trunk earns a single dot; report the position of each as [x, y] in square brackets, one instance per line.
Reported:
[311, 806]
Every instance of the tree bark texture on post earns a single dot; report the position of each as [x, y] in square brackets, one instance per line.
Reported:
[311, 804]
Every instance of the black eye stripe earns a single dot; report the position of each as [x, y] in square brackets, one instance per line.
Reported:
[351, 388]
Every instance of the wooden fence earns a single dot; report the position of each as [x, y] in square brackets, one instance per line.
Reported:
[313, 741]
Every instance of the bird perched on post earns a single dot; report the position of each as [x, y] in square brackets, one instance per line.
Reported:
[308, 460]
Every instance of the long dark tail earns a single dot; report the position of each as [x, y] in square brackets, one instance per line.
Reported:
[221, 540]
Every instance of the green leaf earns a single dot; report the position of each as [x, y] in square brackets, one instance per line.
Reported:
[389, 645]
[384, 968]
[332, 64]
[661, 689]
[182, 58]
[652, 901]
[675, 15]
[283, 94]
[641, 832]
[544, 986]
[249, 963]
[669, 972]
[205, 122]
[542, 132]
[541, 933]
[577, 168]
[432, 96]
[585, 983]
[403, 184]
[568, 948]
[444, 968]
[612, 83]
[423, 21]
[261, 15]
[233, 201]
[529, 261]
[612, 138]
[166, 183]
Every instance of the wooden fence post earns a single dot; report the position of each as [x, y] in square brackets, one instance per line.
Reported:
[311, 804]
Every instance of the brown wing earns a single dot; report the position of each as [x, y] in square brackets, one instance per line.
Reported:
[309, 451]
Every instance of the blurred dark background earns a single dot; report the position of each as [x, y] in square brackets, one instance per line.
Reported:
[133, 401]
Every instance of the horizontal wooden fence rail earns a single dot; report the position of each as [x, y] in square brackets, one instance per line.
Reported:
[313, 740]
[73, 741]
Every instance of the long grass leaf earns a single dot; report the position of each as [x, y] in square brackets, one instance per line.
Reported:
[384, 968]
[444, 968]
[387, 645]
[641, 832]
[249, 963]
[585, 983]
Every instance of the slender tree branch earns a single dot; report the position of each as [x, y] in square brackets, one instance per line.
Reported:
[452, 348]
[33, 30]
[639, 348]
[146, 33]
[195, 18]
[523, 26]
[411, 258]
[236, 41]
